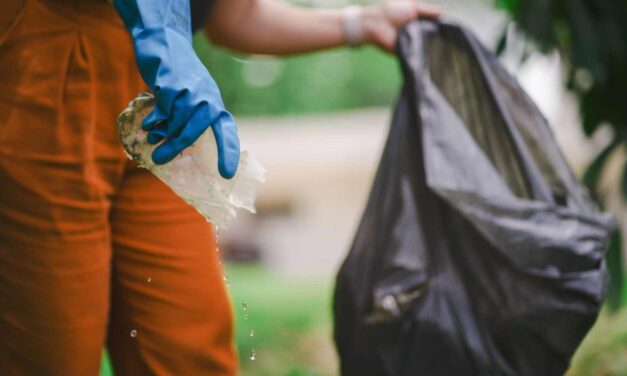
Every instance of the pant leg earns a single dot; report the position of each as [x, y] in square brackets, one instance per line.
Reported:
[167, 286]
[63, 79]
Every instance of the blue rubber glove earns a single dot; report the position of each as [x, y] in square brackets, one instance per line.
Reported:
[188, 100]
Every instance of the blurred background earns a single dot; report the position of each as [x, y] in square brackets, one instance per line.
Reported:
[333, 109]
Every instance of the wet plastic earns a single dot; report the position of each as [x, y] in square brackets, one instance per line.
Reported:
[479, 252]
[193, 174]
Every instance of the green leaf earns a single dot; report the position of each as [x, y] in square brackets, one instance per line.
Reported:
[585, 50]
[614, 259]
[594, 170]
[511, 6]
[623, 182]
[502, 43]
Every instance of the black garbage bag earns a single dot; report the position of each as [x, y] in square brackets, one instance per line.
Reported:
[479, 252]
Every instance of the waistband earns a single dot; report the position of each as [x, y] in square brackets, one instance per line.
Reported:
[85, 12]
[19, 17]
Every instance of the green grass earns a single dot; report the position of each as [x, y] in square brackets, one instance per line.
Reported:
[291, 318]
[106, 369]
[604, 350]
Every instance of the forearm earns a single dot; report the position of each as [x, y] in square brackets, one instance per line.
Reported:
[273, 27]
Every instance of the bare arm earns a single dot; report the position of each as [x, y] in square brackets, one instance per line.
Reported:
[277, 28]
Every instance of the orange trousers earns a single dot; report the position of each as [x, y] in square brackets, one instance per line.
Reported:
[93, 250]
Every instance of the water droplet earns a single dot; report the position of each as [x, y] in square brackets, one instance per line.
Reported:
[133, 333]
[253, 354]
[244, 307]
[245, 316]
[252, 333]
[149, 279]
[226, 281]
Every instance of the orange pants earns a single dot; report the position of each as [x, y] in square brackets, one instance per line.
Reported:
[93, 248]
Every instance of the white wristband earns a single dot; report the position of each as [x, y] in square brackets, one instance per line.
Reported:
[353, 28]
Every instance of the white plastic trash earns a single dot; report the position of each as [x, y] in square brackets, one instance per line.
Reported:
[193, 175]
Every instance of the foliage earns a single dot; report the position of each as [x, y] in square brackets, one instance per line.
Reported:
[591, 37]
[603, 350]
[325, 81]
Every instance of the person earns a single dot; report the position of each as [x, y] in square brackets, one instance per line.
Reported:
[94, 250]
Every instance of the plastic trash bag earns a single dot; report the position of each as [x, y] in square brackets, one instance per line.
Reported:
[193, 175]
[479, 252]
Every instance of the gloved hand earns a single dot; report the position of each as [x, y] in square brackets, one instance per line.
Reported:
[188, 100]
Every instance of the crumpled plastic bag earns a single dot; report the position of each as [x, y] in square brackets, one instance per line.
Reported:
[479, 252]
[193, 175]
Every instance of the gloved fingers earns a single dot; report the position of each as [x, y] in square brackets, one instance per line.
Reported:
[153, 119]
[179, 117]
[225, 132]
[175, 144]
[156, 135]
[182, 112]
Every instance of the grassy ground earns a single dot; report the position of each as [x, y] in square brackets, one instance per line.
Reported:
[604, 351]
[291, 319]
[292, 323]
